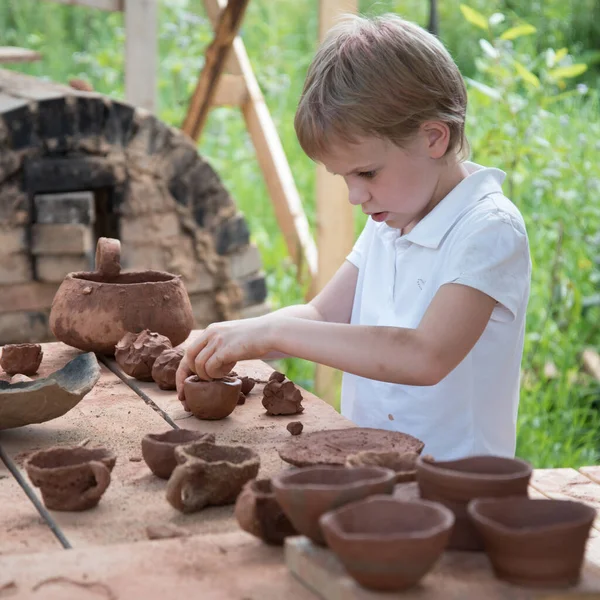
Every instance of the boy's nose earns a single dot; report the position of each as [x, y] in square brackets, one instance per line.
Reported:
[357, 195]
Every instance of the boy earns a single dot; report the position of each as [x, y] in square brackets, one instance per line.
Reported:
[427, 315]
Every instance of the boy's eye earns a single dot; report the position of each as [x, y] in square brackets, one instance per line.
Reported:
[367, 174]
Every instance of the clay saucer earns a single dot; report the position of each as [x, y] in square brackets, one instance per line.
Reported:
[49, 397]
[334, 446]
[531, 542]
[388, 544]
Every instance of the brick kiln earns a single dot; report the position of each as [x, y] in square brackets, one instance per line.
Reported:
[75, 166]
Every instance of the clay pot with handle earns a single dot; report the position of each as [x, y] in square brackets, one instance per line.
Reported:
[92, 311]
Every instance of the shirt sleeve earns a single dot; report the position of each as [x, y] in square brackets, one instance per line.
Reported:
[493, 257]
[359, 251]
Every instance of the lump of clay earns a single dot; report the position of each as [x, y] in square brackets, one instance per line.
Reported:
[165, 368]
[248, 384]
[21, 358]
[295, 427]
[136, 352]
[281, 396]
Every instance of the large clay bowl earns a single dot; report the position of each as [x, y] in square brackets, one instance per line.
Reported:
[388, 544]
[258, 512]
[306, 494]
[158, 449]
[531, 542]
[214, 399]
[94, 310]
[455, 483]
[49, 397]
[71, 478]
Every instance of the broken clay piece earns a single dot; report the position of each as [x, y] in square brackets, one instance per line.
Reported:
[306, 494]
[21, 358]
[71, 478]
[455, 483]
[387, 544]
[210, 474]
[211, 400]
[158, 449]
[403, 463]
[136, 352]
[258, 512]
[165, 368]
[281, 396]
[295, 427]
[534, 542]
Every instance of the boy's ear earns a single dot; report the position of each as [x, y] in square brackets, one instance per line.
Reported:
[437, 136]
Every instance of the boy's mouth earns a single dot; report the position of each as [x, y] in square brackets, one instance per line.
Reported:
[378, 217]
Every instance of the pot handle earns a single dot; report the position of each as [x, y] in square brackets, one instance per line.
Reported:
[108, 257]
[102, 476]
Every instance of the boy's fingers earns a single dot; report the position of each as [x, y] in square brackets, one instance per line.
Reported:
[183, 372]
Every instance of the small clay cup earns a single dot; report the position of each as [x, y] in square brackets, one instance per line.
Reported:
[258, 512]
[210, 474]
[71, 478]
[158, 449]
[455, 483]
[534, 542]
[21, 358]
[306, 494]
[387, 544]
[214, 399]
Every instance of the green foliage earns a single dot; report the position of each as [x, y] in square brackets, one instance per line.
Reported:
[528, 68]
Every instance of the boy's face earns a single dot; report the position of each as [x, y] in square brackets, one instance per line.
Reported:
[396, 185]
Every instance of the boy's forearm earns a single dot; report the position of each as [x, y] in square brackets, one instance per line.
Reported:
[391, 354]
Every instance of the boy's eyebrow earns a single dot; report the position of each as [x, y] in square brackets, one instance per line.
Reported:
[353, 171]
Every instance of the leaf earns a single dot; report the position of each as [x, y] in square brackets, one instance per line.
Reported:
[485, 89]
[488, 48]
[568, 72]
[520, 30]
[560, 54]
[527, 75]
[474, 17]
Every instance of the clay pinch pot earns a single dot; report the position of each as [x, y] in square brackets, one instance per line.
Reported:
[455, 483]
[258, 512]
[387, 544]
[21, 358]
[71, 478]
[158, 449]
[165, 368]
[306, 494]
[92, 311]
[211, 400]
[136, 353]
[403, 463]
[210, 474]
[534, 543]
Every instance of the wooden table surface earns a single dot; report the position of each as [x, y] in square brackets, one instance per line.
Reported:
[110, 555]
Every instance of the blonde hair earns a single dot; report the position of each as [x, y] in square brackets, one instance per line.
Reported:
[380, 77]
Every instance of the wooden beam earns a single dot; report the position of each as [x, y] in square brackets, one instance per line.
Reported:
[231, 91]
[12, 54]
[141, 53]
[226, 30]
[334, 241]
[110, 5]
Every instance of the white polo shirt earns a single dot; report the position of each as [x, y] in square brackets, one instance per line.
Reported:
[476, 237]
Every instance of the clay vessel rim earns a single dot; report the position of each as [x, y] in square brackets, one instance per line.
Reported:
[83, 276]
[232, 381]
[587, 515]
[522, 468]
[330, 519]
[108, 455]
[180, 449]
[381, 474]
[259, 493]
[156, 438]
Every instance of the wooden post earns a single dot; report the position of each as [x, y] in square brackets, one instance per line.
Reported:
[141, 53]
[229, 22]
[335, 217]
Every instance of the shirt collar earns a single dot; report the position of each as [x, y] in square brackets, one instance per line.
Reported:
[431, 230]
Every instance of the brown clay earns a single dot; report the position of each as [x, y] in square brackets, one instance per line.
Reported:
[158, 449]
[211, 400]
[241, 399]
[333, 447]
[165, 368]
[92, 311]
[258, 512]
[306, 494]
[21, 358]
[455, 483]
[281, 396]
[248, 384]
[531, 542]
[71, 478]
[210, 474]
[136, 352]
[403, 463]
[388, 544]
[295, 427]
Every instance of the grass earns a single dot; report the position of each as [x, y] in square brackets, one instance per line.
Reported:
[550, 155]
